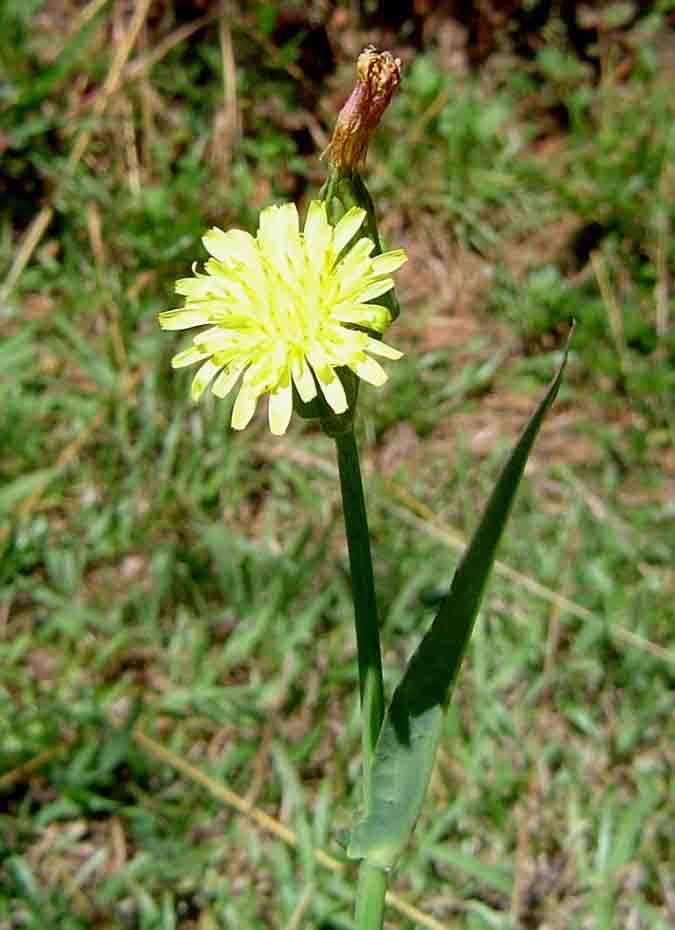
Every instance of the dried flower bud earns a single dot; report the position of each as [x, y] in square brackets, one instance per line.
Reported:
[378, 76]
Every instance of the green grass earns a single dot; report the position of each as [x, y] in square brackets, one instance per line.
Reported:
[168, 573]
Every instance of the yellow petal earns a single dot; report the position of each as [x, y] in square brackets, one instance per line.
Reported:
[280, 408]
[203, 378]
[244, 408]
[227, 379]
[371, 316]
[374, 289]
[279, 240]
[318, 232]
[346, 229]
[182, 319]
[215, 339]
[382, 349]
[235, 245]
[332, 389]
[355, 267]
[360, 251]
[289, 222]
[303, 380]
[371, 371]
[188, 357]
[196, 288]
[388, 261]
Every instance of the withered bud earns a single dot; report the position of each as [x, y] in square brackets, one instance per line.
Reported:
[378, 75]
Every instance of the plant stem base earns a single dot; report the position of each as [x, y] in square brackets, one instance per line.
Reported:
[370, 896]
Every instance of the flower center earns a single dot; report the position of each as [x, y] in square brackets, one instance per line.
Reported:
[298, 302]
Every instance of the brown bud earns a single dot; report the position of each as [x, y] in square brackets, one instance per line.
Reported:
[378, 76]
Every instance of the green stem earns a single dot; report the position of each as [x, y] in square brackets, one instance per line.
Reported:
[370, 896]
[363, 590]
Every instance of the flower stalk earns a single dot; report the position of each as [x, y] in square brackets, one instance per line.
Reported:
[378, 75]
[370, 897]
[363, 591]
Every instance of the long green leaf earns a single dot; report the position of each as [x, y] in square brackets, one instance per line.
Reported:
[14, 492]
[406, 747]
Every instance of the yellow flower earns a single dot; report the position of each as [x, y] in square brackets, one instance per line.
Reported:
[281, 310]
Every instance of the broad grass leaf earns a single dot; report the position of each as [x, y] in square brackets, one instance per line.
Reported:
[406, 747]
[15, 491]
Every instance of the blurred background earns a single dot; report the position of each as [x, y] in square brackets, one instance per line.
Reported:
[173, 594]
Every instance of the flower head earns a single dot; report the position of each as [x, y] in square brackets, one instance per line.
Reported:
[282, 310]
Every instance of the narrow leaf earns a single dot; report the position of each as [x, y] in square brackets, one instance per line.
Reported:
[406, 747]
[18, 489]
[495, 878]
